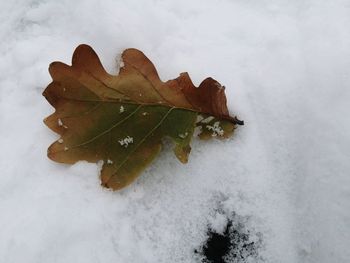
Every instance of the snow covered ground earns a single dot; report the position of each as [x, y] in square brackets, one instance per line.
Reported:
[286, 68]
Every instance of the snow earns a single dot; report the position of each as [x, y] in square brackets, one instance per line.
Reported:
[59, 122]
[285, 66]
[183, 135]
[208, 119]
[121, 109]
[126, 141]
[216, 129]
[121, 63]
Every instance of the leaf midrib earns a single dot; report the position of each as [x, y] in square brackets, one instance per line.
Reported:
[118, 123]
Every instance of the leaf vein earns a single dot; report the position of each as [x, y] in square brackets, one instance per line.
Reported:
[141, 142]
[154, 88]
[106, 131]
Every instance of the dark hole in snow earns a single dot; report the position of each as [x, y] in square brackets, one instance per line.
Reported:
[234, 245]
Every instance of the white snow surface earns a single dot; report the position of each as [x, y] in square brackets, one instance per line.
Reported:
[286, 68]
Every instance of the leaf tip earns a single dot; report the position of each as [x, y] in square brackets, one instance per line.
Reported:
[182, 153]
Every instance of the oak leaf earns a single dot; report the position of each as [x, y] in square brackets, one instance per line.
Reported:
[122, 119]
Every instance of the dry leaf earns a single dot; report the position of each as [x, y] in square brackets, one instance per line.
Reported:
[122, 119]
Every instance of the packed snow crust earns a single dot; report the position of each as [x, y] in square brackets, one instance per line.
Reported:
[286, 69]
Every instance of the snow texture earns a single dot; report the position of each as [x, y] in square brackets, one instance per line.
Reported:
[126, 141]
[286, 69]
[121, 109]
[216, 129]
